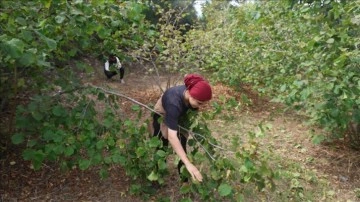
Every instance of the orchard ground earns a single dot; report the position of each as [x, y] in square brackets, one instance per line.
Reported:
[309, 172]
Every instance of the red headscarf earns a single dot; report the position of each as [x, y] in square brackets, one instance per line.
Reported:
[198, 87]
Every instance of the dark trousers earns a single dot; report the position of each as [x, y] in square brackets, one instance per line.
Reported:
[110, 74]
[157, 132]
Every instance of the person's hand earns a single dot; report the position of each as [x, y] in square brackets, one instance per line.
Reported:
[194, 172]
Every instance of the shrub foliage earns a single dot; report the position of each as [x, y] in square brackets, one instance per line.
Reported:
[60, 121]
[301, 53]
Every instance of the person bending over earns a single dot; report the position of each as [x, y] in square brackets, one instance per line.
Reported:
[173, 105]
[112, 67]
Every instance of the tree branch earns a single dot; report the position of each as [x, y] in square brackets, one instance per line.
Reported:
[122, 95]
[147, 107]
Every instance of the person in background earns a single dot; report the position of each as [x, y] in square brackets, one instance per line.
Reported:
[112, 67]
[173, 105]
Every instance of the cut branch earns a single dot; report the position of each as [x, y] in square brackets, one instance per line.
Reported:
[149, 108]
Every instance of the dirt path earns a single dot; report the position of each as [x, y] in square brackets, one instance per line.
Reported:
[288, 137]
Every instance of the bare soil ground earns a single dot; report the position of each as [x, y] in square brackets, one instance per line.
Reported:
[288, 137]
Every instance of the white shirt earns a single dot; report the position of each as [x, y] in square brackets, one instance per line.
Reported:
[107, 64]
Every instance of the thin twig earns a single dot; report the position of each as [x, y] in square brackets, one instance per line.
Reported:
[124, 96]
[203, 137]
[212, 144]
[84, 113]
[151, 60]
[69, 91]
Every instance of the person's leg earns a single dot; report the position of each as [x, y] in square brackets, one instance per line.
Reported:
[157, 131]
[109, 74]
[113, 73]
[122, 72]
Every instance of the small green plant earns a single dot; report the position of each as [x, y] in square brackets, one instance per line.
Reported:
[357, 192]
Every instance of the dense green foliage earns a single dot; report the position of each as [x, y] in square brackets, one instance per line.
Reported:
[305, 55]
[156, 8]
[40, 38]
[73, 125]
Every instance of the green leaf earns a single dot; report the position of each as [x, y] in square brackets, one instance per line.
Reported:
[331, 40]
[28, 154]
[31, 143]
[59, 19]
[58, 110]
[35, 156]
[59, 136]
[69, 151]
[37, 159]
[101, 96]
[70, 140]
[215, 175]
[14, 47]
[75, 11]
[96, 158]
[140, 151]
[26, 35]
[240, 198]
[104, 173]
[42, 23]
[161, 153]
[18, 138]
[103, 33]
[153, 176]
[317, 38]
[135, 108]
[154, 142]
[108, 123]
[37, 115]
[224, 189]
[317, 139]
[78, 1]
[100, 144]
[110, 141]
[115, 23]
[21, 21]
[84, 164]
[334, 113]
[185, 188]
[191, 142]
[58, 149]
[48, 135]
[162, 164]
[248, 164]
[107, 160]
[50, 43]
[340, 61]
[117, 158]
[46, 3]
[27, 59]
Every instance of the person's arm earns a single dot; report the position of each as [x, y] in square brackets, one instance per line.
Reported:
[176, 145]
[107, 65]
[118, 64]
